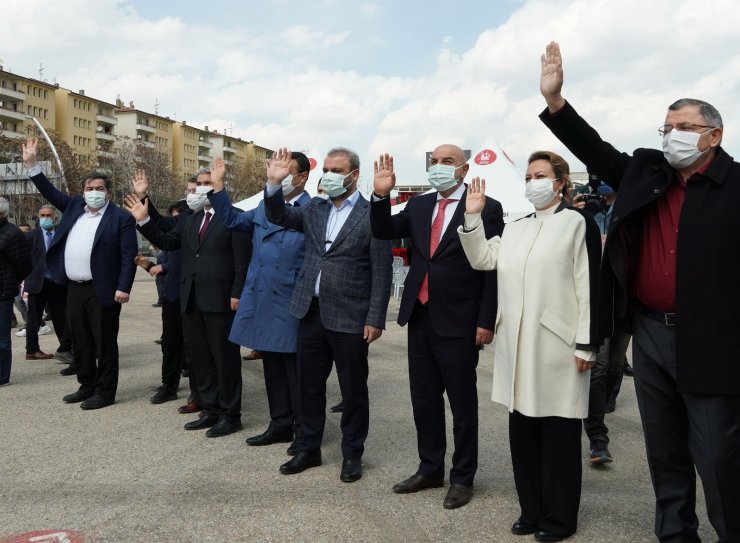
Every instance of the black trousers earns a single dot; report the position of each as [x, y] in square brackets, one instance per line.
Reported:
[605, 376]
[438, 364]
[95, 339]
[682, 431]
[192, 370]
[55, 296]
[173, 346]
[281, 384]
[546, 457]
[317, 348]
[216, 360]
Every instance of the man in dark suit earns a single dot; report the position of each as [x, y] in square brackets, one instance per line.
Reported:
[44, 292]
[93, 251]
[214, 265]
[671, 274]
[451, 311]
[340, 296]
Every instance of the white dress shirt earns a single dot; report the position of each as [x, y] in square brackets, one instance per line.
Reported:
[78, 249]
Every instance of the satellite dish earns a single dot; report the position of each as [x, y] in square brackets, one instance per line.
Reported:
[99, 128]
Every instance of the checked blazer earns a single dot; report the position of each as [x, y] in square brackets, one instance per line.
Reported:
[356, 270]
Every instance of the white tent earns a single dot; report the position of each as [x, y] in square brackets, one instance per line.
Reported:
[314, 156]
[504, 180]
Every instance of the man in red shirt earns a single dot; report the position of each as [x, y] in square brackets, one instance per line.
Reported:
[671, 273]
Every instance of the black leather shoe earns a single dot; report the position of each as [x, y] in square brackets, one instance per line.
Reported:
[163, 394]
[269, 437]
[301, 462]
[351, 470]
[77, 397]
[457, 496]
[337, 408]
[224, 427]
[69, 370]
[206, 421]
[293, 449]
[547, 537]
[521, 527]
[97, 402]
[415, 483]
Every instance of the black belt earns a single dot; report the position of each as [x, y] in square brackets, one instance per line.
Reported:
[669, 319]
[88, 282]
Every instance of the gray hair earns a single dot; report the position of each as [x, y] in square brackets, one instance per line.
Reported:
[49, 206]
[4, 208]
[706, 110]
[202, 171]
[354, 160]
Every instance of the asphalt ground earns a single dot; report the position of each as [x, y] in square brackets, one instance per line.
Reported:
[130, 473]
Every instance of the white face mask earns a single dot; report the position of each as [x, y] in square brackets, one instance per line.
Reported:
[539, 192]
[333, 183]
[681, 149]
[94, 199]
[199, 200]
[322, 195]
[442, 176]
[288, 185]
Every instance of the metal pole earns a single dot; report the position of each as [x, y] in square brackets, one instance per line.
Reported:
[53, 150]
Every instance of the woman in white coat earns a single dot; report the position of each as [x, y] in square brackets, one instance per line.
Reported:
[545, 340]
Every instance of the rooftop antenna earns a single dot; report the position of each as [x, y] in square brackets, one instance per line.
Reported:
[230, 128]
[156, 106]
[41, 72]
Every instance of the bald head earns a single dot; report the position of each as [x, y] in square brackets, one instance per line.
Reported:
[448, 154]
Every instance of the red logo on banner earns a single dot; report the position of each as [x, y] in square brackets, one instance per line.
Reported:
[313, 163]
[485, 157]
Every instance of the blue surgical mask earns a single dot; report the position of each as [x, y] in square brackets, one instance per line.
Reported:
[442, 176]
[47, 223]
[333, 183]
[94, 199]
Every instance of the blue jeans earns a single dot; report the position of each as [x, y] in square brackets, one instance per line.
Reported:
[6, 354]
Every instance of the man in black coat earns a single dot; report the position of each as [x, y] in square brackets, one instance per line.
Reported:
[15, 265]
[214, 266]
[671, 273]
[44, 292]
[451, 311]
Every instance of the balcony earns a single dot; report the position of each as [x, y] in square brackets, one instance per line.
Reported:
[10, 114]
[203, 144]
[204, 158]
[13, 95]
[149, 144]
[145, 128]
[107, 119]
[229, 149]
[12, 134]
[105, 154]
[228, 162]
[105, 137]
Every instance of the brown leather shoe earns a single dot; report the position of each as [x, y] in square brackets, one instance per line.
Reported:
[189, 407]
[254, 355]
[457, 496]
[39, 355]
[415, 483]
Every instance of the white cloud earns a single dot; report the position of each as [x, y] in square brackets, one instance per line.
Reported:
[624, 63]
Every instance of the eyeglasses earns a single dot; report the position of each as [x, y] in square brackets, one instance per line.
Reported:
[683, 127]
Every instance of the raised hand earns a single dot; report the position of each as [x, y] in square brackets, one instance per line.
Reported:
[29, 152]
[475, 199]
[551, 77]
[385, 177]
[138, 209]
[140, 183]
[218, 174]
[278, 167]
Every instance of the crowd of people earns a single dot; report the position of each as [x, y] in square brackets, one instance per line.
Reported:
[306, 282]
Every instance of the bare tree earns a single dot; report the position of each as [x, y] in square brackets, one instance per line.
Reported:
[245, 177]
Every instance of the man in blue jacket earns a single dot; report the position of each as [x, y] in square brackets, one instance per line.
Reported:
[263, 321]
[92, 251]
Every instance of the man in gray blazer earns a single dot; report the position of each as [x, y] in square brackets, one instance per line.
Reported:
[340, 296]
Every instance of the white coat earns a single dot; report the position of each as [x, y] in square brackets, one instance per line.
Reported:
[545, 287]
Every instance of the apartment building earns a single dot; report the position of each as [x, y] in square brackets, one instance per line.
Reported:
[86, 124]
[21, 98]
[150, 130]
[191, 149]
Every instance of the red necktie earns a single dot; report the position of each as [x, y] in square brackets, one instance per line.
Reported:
[204, 227]
[437, 226]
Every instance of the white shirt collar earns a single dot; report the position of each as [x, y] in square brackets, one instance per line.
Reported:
[457, 195]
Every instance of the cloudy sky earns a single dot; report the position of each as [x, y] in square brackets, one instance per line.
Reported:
[397, 76]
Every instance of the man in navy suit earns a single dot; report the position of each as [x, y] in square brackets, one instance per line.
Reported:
[451, 311]
[93, 252]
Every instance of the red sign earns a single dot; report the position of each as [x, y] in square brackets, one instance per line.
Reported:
[485, 157]
[48, 536]
[313, 163]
